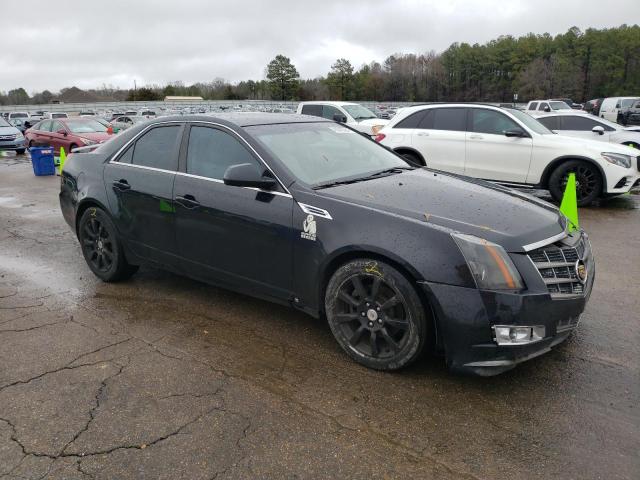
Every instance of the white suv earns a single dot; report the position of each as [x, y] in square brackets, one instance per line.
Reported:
[592, 128]
[353, 114]
[510, 147]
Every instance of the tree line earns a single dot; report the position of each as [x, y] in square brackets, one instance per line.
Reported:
[579, 65]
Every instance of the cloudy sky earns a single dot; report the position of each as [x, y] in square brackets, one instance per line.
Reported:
[89, 43]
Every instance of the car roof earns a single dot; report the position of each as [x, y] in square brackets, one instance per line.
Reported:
[327, 102]
[245, 119]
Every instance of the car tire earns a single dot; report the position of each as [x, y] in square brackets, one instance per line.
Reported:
[588, 181]
[71, 147]
[20, 151]
[376, 315]
[413, 159]
[102, 248]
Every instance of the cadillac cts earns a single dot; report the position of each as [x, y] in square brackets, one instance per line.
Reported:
[309, 213]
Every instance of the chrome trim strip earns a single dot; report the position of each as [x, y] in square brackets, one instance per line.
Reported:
[144, 167]
[217, 180]
[546, 241]
[186, 121]
[318, 212]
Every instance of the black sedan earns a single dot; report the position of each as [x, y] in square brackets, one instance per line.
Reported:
[310, 213]
[630, 115]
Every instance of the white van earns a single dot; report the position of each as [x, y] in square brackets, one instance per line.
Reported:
[612, 105]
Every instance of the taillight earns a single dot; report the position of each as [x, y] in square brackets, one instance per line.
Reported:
[380, 137]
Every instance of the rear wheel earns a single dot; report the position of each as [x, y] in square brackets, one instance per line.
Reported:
[375, 314]
[588, 181]
[102, 248]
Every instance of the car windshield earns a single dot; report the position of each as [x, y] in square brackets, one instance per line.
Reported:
[58, 115]
[559, 106]
[19, 115]
[323, 153]
[530, 122]
[85, 126]
[358, 112]
[627, 102]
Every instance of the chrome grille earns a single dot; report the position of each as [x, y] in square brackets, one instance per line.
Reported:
[557, 266]
[7, 137]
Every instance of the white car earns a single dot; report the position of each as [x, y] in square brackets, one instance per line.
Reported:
[612, 105]
[56, 115]
[510, 147]
[352, 114]
[540, 107]
[592, 128]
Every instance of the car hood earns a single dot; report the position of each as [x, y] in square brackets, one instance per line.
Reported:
[9, 130]
[498, 214]
[95, 136]
[594, 146]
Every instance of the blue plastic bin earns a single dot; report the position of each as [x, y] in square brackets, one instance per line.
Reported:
[42, 161]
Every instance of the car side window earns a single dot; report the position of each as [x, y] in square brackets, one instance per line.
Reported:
[57, 126]
[328, 111]
[452, 119]
[315, 110]
[45, 126]
[618, 104]
[212, 151]
[533, 106]
[579, 123]
[158, 148]
[543, 106]
[490, 121]
[412, 121]
[127, 156]
[551, 123]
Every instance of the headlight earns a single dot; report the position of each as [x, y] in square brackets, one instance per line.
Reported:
[19, 136]
[617, 159]
[86, 141]
[491, 267]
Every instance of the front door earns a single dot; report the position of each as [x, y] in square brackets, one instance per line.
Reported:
[239, 237]
[140, 188]
[490, 153]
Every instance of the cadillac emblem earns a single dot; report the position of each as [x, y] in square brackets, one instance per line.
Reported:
[581, 271]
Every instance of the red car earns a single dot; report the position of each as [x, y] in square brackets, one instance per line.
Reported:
[69, 133]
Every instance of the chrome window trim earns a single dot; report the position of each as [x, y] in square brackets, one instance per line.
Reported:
[116, 156]
[217, 180]
[144, 167]
[547, 241]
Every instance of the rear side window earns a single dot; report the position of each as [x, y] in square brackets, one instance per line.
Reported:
[490, 121]
[329, 111]
[212, 151]
[56, 126]
[543, 106]
[158, 148]
[412, 121]
[44, 126]
[315, 110]
[533, 106]
[453, 119]
[551, 123]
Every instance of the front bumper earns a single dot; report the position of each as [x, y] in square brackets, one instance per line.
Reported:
[15, 144]
[465, 317]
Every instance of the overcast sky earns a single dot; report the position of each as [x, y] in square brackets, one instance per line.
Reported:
[62, 43]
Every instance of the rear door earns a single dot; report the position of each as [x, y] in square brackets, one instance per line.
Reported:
[42, 133]
[440, 138]
[490, 154]
[139, 185]
[57, 139]
[236, 236]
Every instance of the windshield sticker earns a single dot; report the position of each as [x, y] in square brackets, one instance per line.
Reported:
[309, 226]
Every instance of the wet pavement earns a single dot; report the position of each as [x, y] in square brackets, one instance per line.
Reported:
[165, 377]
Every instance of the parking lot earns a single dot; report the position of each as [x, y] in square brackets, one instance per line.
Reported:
[164, 377]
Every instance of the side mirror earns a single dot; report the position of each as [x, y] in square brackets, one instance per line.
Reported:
[61, 131]
[247, 175]
[338, 117]
[515, 132]
[598, 129]
[547, 108]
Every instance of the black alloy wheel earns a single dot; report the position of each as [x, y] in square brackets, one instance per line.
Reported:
[101, 247]
[375, 314]
[588, 181]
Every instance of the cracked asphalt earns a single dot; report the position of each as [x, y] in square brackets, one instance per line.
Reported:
[162, 377]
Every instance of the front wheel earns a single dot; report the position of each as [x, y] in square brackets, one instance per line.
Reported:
[102, 248]
[588, 181]
[375, 314]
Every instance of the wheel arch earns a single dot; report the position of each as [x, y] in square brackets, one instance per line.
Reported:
[347, 254]
[546, 174]
[413, 151]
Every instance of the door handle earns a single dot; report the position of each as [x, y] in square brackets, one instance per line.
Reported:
[423, 134]
[476, 137]
[188, 201]
[121, 184]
